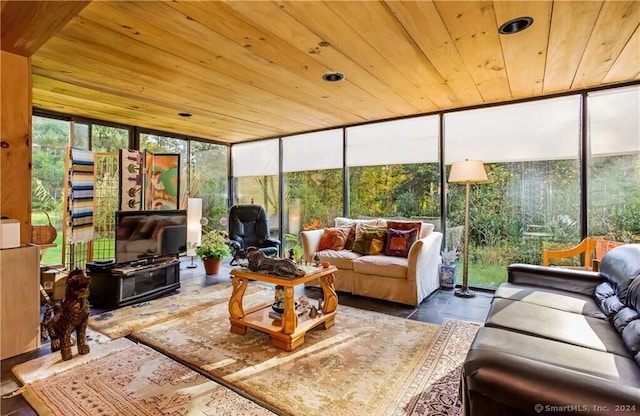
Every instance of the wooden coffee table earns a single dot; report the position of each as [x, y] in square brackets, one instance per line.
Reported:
[287, 333]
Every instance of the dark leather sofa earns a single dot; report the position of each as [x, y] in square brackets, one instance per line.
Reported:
[559, 341]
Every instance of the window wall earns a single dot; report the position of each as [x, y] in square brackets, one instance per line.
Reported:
[313, 183]
[614, 164]
[50, 138]
[538, 159]
[255, 168]
[394, 169]
[208, 180]
[531, 151]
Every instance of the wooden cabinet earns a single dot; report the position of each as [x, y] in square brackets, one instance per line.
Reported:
[19, 300]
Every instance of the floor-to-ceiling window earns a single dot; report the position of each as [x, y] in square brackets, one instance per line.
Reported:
[531, 151]
[53, 133]
[50, 138]
[255, 169]
[394, 169]
[208, 180]
[613, 197]
[313, 183]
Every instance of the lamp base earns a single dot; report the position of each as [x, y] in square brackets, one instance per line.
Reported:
[192, 265]
[464, 292]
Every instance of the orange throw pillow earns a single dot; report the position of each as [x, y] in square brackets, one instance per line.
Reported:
[333, 239]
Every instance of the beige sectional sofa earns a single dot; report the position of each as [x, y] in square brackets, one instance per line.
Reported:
[406, 280]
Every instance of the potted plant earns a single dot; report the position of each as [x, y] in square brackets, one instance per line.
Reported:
[213, 249]
[448, 268]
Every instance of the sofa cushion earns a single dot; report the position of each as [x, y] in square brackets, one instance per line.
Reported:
[398, 242]
[570, 357]
[333, 238]
[342, 259]
[551, 298]
[369, 239]
[381, 266]
[563, 326]
[507, 373]
[351, 236]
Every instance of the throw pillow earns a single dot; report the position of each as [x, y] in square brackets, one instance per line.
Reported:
[406, 225]
[369, 240]
[399, 242]
[351, 236]
[333, 239]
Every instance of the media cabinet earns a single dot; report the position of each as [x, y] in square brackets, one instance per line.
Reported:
[115, 285]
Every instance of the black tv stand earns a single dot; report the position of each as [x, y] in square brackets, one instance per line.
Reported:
[117, 285]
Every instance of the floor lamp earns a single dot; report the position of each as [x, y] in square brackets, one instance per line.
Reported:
[194, 228]
[467, 172]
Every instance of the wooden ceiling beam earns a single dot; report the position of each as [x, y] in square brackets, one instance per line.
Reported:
[27, 25]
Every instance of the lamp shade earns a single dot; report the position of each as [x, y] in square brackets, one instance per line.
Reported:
[194, 226]
[468, 171]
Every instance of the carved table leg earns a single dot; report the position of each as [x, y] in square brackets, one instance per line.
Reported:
[236, 311]
[330, 298]
[329, 292]
[289, 317]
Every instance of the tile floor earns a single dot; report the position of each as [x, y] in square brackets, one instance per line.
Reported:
[434, 309]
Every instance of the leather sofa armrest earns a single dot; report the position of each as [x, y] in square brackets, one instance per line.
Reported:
[579, 281]
[310, 242]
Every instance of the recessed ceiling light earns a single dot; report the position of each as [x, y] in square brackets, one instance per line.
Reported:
[185, 115]
[333, 77]
[515, 25]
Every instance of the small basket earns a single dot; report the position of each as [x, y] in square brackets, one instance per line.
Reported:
[43, 234]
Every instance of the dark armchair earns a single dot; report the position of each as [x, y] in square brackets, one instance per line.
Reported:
[249, 227]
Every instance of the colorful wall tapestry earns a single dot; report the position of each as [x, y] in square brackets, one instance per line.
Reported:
[130, 180]
[162, 180]
[80, 196]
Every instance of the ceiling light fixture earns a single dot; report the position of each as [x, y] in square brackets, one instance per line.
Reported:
[515, 25]
[333, 76]
[185, 115]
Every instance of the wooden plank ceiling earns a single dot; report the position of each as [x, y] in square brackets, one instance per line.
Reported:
[249, 70]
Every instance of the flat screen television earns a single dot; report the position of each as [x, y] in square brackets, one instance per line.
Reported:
[145, 235]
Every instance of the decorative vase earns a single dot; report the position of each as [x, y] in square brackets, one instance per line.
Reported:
[212, 265]
[447, 276]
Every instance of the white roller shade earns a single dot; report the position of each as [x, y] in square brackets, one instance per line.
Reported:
[537, 130]
[614, 121]
[312, 151]
[258, 158]
[413, 140]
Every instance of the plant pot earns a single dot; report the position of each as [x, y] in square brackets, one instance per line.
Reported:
[447, 276]
[212, 265]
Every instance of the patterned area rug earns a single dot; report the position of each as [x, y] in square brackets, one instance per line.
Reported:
[122, 322]
[432, 388]
[368, 363]
[124, 378]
